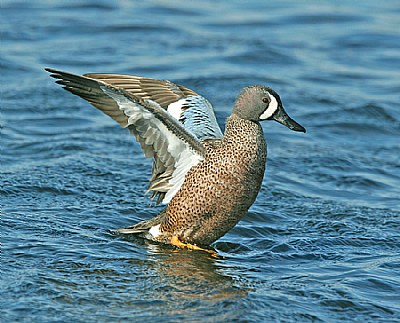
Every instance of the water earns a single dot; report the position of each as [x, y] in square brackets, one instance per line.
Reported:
[322, 241]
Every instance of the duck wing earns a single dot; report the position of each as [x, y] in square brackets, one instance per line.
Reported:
[175, 150]
[191, 109]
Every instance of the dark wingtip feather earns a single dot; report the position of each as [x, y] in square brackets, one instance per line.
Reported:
[60, 81]
[53, 72]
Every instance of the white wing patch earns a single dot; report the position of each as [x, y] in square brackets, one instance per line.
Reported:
[175, 108]
[184, 155]
[197, 116]
[270, 110]
[186, 161]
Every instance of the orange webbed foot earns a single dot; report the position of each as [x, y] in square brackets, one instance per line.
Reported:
[176, 242]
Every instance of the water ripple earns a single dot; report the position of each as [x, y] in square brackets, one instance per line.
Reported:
[320, 243]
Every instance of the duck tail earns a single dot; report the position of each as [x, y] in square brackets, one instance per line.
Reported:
[143, 226]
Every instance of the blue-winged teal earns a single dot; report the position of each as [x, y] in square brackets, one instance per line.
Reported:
[207, 179]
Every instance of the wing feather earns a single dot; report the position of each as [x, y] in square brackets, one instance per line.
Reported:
[175, 150]
[193, 110]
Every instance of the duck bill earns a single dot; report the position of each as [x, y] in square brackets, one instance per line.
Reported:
[282, 117]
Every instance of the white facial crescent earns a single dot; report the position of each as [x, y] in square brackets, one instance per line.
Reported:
[270, 110]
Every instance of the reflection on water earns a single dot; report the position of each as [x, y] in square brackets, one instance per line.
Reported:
[186, 278]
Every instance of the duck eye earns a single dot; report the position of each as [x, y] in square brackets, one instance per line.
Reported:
[266, 100]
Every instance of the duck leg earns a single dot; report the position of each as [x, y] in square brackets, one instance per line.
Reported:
[176, 242]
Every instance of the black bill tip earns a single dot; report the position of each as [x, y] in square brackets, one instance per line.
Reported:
[282, 117]
[293, 125]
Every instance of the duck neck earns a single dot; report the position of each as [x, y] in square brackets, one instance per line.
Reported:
[238, 128]
[245, 144]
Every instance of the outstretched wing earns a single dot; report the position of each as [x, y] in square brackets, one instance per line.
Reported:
[175, 150]
[193, 110]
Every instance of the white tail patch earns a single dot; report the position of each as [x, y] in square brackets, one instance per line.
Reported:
[270, 110]
[155, 231]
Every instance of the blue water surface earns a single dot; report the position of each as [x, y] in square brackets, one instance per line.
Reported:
[322, 241]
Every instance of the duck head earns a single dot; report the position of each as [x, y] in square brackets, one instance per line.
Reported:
[257, 103]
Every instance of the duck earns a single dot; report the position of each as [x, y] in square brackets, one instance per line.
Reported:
[207, 179]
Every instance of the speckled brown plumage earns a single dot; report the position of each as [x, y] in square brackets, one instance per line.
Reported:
[219, 190]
